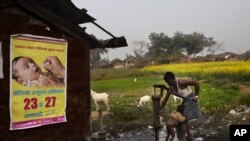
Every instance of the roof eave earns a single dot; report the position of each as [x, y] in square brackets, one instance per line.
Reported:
[51, 18]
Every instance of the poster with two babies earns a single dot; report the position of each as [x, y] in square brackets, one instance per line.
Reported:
[37, 81]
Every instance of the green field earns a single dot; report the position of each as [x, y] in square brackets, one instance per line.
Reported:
[217, 93]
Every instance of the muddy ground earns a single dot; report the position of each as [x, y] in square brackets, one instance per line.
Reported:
[208, 127]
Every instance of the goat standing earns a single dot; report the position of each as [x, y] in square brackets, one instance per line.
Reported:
[144, 100]
[98, 97]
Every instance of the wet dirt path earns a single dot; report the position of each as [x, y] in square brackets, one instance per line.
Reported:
[208, 127]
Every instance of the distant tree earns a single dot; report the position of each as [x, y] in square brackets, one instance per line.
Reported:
[178, 45]
[140, 48]
[164, 48]
[214, 47]
[178, 40]
[95, 56]
[160, 47]
[127, 55]
[194, 43]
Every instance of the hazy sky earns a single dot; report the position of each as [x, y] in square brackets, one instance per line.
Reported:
[228, 21]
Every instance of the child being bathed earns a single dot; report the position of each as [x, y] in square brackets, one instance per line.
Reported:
[175, 118]
[26, 72]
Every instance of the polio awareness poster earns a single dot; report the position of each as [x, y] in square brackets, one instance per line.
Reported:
[37, 81]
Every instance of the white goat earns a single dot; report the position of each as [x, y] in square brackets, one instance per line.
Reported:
[144, 100]
[98, 97]
[176, 97]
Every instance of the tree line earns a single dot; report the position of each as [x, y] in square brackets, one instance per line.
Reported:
[163, 48]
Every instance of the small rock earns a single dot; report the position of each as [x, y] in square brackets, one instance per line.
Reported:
[199, 139]
[121, 135]
[150, 127]
[220, 127]
[244, 118]
[232, 112]
[139, 134]
[247, 111]
[129, 135]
